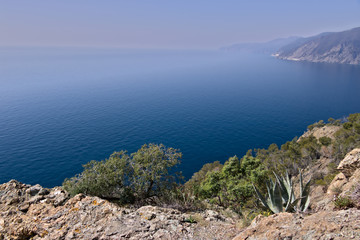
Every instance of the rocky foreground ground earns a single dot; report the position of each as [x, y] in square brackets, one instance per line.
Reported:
[33, 212]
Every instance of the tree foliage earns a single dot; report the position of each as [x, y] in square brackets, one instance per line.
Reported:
[228, 185]
[126, 178]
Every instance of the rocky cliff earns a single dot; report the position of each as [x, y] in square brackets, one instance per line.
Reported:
[339, 47]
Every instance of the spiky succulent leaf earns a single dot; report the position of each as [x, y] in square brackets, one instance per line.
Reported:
[305, 197]
[261, 197]
[276, 200]
[293, 206]
[284, 192]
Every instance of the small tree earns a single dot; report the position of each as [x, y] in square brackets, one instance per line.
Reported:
[151, 166]
[125, 178]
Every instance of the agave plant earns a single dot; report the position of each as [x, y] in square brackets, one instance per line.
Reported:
[281, 197]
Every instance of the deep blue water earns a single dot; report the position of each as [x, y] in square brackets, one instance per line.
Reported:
[60, 108]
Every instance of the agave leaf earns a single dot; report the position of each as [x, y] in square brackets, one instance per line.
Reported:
[305, 198]
[284, 192]
[261, 197]
[277, 200]
[292, 206]
[301, 183]
[290, 200]
[306, 205]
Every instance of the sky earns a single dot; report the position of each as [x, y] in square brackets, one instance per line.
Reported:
[168, 23]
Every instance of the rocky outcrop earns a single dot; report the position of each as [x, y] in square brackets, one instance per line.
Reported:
[325, 131]
[349, 176]
[344, 224]
[350, 163]
[39, 213]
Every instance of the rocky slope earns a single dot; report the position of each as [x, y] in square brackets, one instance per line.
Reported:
[339, 47]
[33, 212]
[326, 222]
[39, 213]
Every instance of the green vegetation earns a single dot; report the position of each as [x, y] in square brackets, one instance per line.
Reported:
[229, 185]
[281, 197]
[128, 178]
[326, 141]
[147, 173]
[343, 202]
[190, 220]
[318, 124]
[348, 137]
[326, 180]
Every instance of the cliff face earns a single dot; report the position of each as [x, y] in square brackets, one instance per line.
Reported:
[33, 212]
[340, 47]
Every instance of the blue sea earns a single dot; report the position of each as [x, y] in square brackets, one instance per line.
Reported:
[62, 107]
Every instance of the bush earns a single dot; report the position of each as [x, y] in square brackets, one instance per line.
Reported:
[128, 178]
[326, 141]
[343, 203]
[228, 185]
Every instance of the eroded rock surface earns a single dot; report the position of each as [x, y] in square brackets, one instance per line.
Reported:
[39, 213]
[344, 224]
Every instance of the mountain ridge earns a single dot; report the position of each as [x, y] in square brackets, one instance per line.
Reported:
[329, 47]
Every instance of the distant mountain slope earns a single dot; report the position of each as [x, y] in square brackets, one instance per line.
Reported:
[261, 47]
[338, 47]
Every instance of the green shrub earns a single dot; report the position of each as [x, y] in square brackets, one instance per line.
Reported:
[347, 125]
[229, 185]
[326, 141]
[343, 203]
[128, 178]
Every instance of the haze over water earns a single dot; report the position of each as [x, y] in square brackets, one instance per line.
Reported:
[62, 107]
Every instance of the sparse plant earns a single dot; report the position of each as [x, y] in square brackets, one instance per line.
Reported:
[326, 180]
[343, 202]
[190, 219]
[281, 197]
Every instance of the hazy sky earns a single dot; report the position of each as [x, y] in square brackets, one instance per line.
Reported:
[169, 23]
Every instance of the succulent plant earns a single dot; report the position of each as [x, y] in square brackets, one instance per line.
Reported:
[281, 197]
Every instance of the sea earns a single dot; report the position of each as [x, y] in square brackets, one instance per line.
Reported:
[61, 107]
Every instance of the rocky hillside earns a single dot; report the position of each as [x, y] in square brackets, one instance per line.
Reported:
[33, 212]
[328, 221]
[338, 47]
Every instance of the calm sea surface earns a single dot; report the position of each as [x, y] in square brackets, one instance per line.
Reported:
[60, 108]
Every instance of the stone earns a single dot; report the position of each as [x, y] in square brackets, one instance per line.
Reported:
[350, 163]
[34, 190]
[344, 224]
[54, 215]
[337, 184]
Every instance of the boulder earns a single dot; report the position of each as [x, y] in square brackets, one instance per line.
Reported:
[342, 224]
[350, 163]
